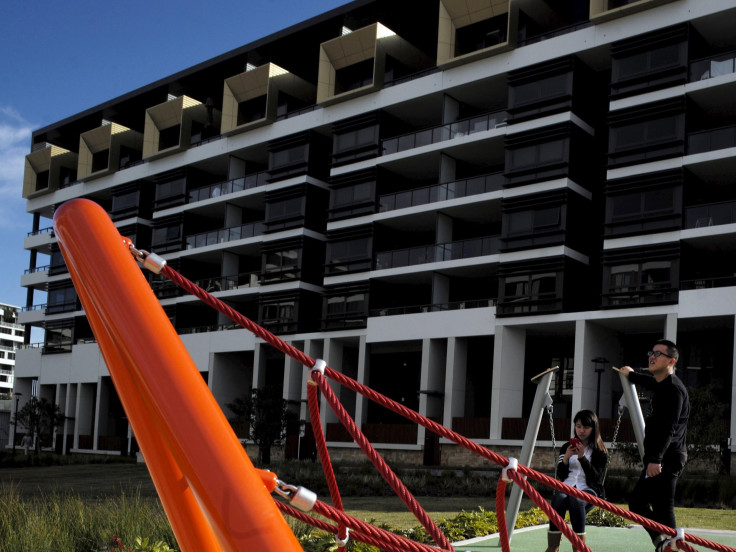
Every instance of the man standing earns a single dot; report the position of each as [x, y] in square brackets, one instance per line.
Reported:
[665, 451]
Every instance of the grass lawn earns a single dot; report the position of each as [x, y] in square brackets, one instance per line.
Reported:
[109, 480]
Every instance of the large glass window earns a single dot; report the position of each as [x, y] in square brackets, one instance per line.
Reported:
[349, 255]
[640, 204]
[58, 338]
[61, 300]
[281, 265]
[100, 160]
[167, 235]
[354, 76]
[537, 155]
[126, 203]
[288, 157]
[285, 208]
[540, 90]
[638, 282]
[644, 63]
[356, 139]
[528, 222]
[529, 292]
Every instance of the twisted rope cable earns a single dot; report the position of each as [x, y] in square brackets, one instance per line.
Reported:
[380, 464]
[503, 533]
[440, 430]
[324, 455]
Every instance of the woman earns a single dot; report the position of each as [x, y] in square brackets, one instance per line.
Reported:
[582, 464]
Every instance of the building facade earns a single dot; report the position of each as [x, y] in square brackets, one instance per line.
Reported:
[441, 200]
[11, 337]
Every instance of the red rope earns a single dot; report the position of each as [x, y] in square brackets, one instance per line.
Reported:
[503, 534]
[552, 514]
[380, 464]
[417, 418]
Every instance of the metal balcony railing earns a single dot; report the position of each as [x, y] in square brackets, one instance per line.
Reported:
[228, 187]
[441, 133]
[225, 235]
[475, 247]
[442, 192]
[712, 214]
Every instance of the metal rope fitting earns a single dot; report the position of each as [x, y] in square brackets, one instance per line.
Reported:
[343, 542]
[512, 465]
[672, 541]
[299, 497]
[151, 261]
[319, 366]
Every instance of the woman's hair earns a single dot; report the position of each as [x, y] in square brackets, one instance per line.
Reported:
[589, 419]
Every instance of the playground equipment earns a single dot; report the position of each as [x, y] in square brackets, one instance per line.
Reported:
[213, 495]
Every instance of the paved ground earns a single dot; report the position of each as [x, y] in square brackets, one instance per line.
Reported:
[600, 539]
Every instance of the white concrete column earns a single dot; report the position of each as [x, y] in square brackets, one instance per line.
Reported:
[450, 109]
[364, 372]
[333, 357]
[670, 327]
[455, 382]
[584, 376]
[236, 168]
[508, 376]
[432, 380]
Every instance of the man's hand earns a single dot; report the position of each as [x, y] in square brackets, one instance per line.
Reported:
[626, 370]
[654, 469]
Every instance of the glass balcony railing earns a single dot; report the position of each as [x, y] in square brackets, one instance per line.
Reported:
[434, 307]
[709, 140]
[476, 247]
[49, 230]
[41, 306]
[556, 32]
[229, 187]
[712, 214]
[707, 283]
[37, 269]
[225, 235]
[442, 192]
[713, 66]
[441, 133]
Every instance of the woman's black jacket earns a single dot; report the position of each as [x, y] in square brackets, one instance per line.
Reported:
[594, 469]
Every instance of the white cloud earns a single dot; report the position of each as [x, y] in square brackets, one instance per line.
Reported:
[15, 140]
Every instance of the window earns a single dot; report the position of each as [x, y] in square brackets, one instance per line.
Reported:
[540, 90]
[281, 265]
[354, 76]
[537, 155]
[644, 63]
[61, 300]
[126, 203]
[42, 180]
[641, 204]
[169, 137]
[171, 189]
[166, 235]
[349, 255]
[285, 209]
[58, 338]
[528, 222]
[351, 195]
[356, 139]
[251, 110]
[530, 290]
[639, 282]
[645, 133]
[287, 157]
[100, 160]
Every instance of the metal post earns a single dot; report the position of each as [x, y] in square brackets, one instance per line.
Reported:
[599, 371]
[541, 399]
[631, 400]
[15, 419]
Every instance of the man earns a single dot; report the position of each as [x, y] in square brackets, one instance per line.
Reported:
[665, 451]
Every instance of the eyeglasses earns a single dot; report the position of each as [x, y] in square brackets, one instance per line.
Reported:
[657, 354]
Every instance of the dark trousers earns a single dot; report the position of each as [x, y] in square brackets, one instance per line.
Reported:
[654, 498]
[578, 509]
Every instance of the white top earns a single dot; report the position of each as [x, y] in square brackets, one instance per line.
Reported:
[576, 475]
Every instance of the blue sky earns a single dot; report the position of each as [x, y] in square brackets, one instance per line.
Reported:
[60, 58]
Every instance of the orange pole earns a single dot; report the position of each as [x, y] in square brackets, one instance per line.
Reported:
[189, 525]
[175, 402]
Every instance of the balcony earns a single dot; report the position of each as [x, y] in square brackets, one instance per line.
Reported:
[643, 294]
[709, 140]
[228, 187]
[164, 288]
[225, 235]
[434, 135]
[713, 66]
[442, 192]
[712, 214]
[434, 307]
[708, 283]
[476, 247]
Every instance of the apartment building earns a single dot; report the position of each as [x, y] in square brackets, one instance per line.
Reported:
[11, 337]
[441, 199]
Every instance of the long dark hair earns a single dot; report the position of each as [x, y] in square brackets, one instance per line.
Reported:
[589, 419]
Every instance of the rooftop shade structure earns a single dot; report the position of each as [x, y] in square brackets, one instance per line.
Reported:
[47, 170]
[170, 126]
[252, 98]
[100, 148]
[355, 63]
[462, 14]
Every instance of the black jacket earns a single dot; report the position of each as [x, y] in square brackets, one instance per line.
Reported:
[666, 426]
[594, 469]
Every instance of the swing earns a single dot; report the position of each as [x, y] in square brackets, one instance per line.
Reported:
[549, 408]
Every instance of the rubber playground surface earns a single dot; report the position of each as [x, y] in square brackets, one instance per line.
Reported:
[599, 539]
